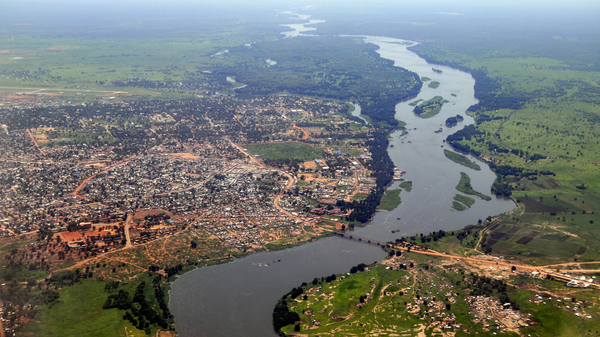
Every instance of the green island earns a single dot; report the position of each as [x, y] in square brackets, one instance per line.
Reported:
[458, 206]
[460, 159]
[464, 185]
[407, 185]
[467, 201]
[462, 202]
[430, 107]
[425, 79]
[414, 103]
[433, 84]
[390, 200]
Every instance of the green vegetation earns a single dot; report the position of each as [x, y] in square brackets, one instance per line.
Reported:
[546, 237]
[288, 242]
[467, 201]
[283, 151]
[78, 312]
[430, 107]
[458, 206]
[460, 159]
[537, 113]
[372, 299]
[425, 79]
[414, 103]
[464, 185]
[433, 84]
[342, 68]
[407, 185]
[390, 200]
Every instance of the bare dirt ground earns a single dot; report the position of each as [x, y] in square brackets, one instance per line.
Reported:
[184, 155]
[310, 164]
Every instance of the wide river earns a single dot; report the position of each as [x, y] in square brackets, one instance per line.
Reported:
[237, 298]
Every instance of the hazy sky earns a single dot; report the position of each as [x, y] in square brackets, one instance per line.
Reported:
[26, 15]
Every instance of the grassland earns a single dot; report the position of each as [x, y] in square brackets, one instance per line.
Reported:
[83, 68]
[561, 126]
[464, 185]
[289, 150]
[79, 312]
[390, 200]
[460, 159]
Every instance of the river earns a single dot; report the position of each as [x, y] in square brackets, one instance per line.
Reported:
[237, 298]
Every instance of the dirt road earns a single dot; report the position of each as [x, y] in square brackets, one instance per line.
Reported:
[128, 222]
[305, 134]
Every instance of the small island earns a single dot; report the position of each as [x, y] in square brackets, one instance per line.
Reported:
[434, 84]
[462, 160]
[462, 202]
[452, 121]
[407, 185]
[436, 70]
[430, 107]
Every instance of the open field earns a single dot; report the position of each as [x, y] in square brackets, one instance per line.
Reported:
[79, 312]
[285, 151]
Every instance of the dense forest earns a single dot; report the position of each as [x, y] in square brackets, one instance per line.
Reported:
[339, 68]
